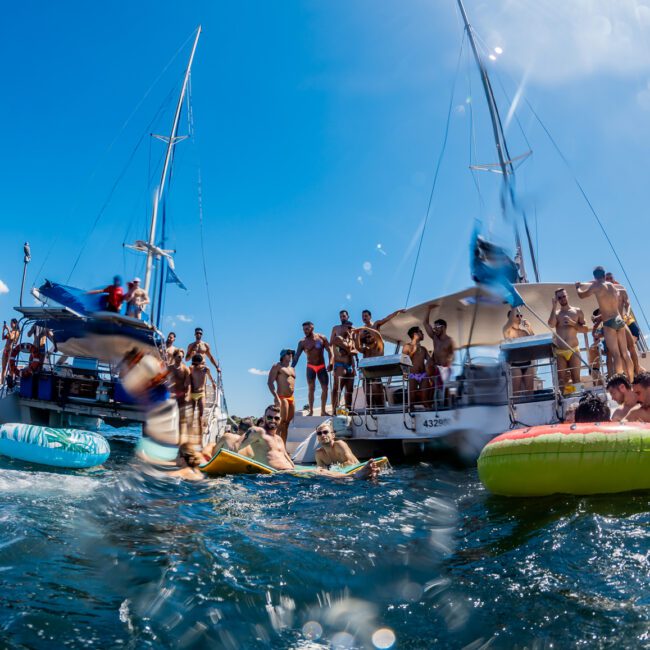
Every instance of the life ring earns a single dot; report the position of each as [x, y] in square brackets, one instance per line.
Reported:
[35, 360]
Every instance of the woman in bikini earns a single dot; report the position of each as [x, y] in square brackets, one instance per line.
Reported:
[10, 335]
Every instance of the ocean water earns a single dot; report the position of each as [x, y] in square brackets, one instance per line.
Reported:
[422, 558]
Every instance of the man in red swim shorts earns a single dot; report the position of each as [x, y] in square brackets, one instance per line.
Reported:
[283, 374]
[314, 346]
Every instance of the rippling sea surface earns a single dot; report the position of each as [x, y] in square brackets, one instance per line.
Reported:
[422, 558]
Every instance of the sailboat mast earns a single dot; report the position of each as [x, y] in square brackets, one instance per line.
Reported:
[170, 145]
[505, 162]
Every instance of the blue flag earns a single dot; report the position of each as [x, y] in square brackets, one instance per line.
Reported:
[172, 278]
[491, 265]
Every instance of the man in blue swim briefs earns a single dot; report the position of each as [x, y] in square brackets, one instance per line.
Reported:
[314, 345]
[344, 371]
[614, 328]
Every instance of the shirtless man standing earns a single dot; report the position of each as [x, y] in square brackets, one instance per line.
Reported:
[641, 386]
[369, 342]
[523, 374]
[281, 383]
[199, 376]
[366, 317]
[199, 346]
[136, 300]
[332, 451]
[440, 364]
[179, 377]
[10, 335]
[339, 329]
[169, 346]
[314, 346]
[620, 389]
[613, 324]
[344, 371]
[567, 321]
[418, 381]
[632, 331]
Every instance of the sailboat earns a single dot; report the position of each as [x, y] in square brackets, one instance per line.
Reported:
[480, 400]
[76, 382]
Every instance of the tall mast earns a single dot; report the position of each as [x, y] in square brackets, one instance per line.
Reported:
[171, 141]
[505, 162]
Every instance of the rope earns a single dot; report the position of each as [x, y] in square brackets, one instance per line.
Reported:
[435, 176]
[591, 208]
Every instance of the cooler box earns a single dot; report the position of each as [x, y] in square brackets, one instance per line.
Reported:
[46, 387]
[27, 387]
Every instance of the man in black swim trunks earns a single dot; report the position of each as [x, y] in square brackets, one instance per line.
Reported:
[314, 346]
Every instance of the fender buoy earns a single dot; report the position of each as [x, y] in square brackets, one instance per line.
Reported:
[35, 360]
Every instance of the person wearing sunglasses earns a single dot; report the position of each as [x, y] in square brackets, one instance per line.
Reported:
[523, 373]
[266, 442]
[332, 451]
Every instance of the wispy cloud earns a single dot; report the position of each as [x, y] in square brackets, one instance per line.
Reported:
[3, 287]
[183, 318]
[558, 41]
[257, 371]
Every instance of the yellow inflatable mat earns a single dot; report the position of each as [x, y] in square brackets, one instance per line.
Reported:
[229, 462]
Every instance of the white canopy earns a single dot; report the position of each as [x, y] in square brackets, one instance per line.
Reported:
[489, 316]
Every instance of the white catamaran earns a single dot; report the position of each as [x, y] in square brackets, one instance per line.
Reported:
[479, 401]
[71, 377]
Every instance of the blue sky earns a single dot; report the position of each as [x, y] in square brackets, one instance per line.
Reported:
[317, 130]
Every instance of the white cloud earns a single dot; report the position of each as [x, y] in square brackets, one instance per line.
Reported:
[184, 319]
[558, 41]
[257, 371]
[3, 287]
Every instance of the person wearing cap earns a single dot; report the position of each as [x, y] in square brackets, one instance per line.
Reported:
[114, 295]
[136, 299]
[281, 383]
[199, 346]
[344, 366]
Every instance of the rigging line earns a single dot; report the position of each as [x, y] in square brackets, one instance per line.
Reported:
[591, 208]
[117, 182]
[435, 176]
[472, 134]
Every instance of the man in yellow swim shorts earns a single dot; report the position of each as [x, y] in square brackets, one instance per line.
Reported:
[568, 322]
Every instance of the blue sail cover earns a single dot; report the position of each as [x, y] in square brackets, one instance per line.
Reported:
[491, 265]
[76, 299]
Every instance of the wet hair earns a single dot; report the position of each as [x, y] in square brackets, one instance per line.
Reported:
[307, 322]
[366, 311]
[197, 358]
[642, 379]
[619, 379]
[592, 409]
[412, 331]
[599, 272]
[440, 321]
[187, 452]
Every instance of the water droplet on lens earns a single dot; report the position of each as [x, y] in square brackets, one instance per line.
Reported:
[383, 638]
[312, 630]
[342, 641]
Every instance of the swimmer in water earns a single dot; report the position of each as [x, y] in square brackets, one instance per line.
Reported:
[189, 461]
[314, 345]
[268, 448]
[332, 451]
[620, 389]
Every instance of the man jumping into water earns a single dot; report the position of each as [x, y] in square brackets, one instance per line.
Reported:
[613, 324]
[281, 383]
[567, 321]
[314, 346]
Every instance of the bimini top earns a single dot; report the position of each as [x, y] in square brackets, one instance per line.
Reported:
[486, 311]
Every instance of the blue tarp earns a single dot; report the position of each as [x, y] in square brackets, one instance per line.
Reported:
[76, 299]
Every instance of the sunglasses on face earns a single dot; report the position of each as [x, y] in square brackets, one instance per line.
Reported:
[321, 433]
[277, 418]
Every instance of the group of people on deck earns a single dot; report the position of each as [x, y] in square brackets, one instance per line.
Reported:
[135, 297]
[188, 384]
[613, 329]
